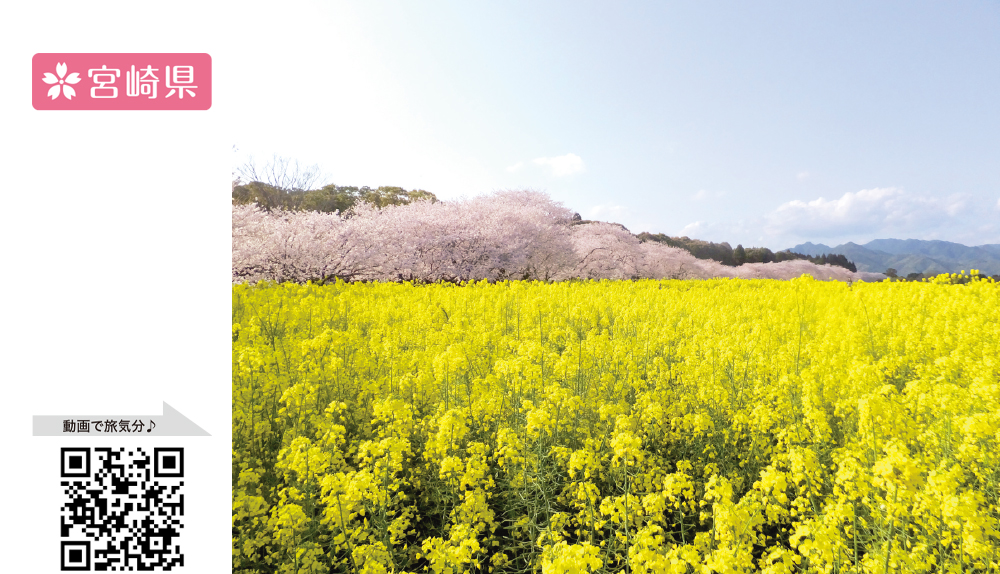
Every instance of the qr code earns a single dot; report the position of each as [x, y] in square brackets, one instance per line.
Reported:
[123, 509]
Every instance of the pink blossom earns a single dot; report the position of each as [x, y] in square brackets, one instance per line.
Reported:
[512, 234]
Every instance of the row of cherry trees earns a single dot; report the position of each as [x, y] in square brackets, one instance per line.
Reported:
[506, 235]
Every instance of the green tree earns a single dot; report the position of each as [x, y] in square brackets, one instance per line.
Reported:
[759, 255]
[721, 252]
[740, 254]
[330, 198]
[265, 195]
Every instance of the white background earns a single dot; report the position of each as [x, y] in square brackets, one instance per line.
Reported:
[115, 280]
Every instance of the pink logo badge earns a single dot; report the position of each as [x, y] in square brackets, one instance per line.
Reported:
[121, 82]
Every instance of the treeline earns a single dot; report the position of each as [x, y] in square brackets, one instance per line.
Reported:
[327, 199]
[724, 253]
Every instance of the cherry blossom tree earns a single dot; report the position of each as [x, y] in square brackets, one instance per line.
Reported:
[605, 251]
[299, 246]
[506, 235]
[512, 234]
[660, 261]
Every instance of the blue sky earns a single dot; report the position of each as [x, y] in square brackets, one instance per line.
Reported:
[763, 123]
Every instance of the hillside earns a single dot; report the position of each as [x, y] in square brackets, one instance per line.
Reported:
[908, 256]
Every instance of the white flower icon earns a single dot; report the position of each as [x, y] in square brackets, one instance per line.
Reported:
[63, 81]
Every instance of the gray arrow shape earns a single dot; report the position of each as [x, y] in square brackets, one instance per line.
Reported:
[170, 423]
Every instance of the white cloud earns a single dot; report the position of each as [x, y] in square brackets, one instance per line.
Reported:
[856, 216]
[693, 229]
[703, 194]
[561, 165]
[802, 175]
[516, 167]
[879, 211]
[732, 232]
[604, 211]
[955, 205]
[613, 213]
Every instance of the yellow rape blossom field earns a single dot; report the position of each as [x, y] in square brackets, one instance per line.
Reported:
[636, 426]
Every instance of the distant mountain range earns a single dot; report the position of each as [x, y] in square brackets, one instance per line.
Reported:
[913, 256]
